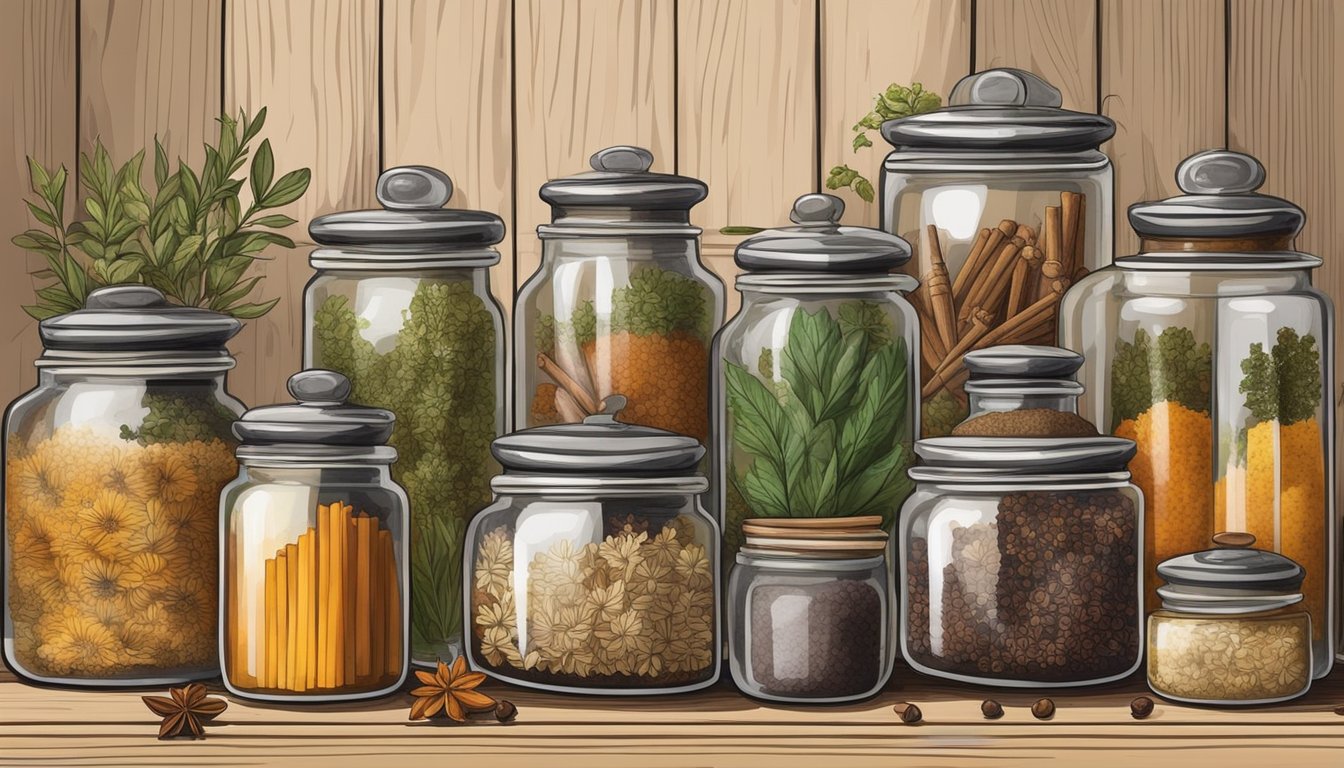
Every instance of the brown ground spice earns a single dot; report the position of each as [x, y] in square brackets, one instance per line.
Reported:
[1029, 422]
[663, 377]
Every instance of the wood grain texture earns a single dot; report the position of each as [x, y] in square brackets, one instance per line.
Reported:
[447, 102]
[859, 60]
[313, 64]
[590, 74]
[1163, 79]
[37, 91]
[1056, 39]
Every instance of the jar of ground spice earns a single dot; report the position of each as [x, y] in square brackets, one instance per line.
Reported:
[1232, 628]
[809, 610]
[1019, 550]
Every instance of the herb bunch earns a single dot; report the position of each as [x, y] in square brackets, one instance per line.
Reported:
[1177, 368]
[189, 236]
[1283, 385]
[894, 102]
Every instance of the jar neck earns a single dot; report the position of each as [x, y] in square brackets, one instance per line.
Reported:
[304, 475]
[209, 382]
[1218, 244]
[989, 402]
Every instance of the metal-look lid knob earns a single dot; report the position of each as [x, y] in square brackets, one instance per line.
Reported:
[821, 244]
[413, 188]
[622, 159]
[621, 179]
[319, 416]
[1005, 87]
[1218, 172]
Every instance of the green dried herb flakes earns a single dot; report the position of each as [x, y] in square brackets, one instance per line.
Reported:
[1178, 369]
[180, 417]
[942, 413]
[439, 378]
[1285, 384]
[833, 438]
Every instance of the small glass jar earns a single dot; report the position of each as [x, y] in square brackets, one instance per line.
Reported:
[620, 303]
[1023, 390]
[1019, 551]
[809, 611]
[401, 305]
[596, 570]
[1232, 629]
[1007, 200]
[315, 604]
[825, 338]
[113, 467]
[1212, 350]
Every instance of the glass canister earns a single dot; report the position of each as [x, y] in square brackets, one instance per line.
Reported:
[315, 605]
[1232, 628]
[401, 305]
[1019, 550]
[1007, 201]
[113, 467]
[814, 377]
[596, 570]
[1212, 350]
[809, 610]
[621, 302]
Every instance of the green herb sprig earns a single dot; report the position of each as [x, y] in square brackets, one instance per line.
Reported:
[1283, 385]
[1176, 368]
[189, 237]
[896, 101]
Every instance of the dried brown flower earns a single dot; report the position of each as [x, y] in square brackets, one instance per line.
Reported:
[449, 692]
[185, 711]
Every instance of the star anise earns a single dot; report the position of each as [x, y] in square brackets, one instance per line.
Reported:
[186, 712]
[449, 692]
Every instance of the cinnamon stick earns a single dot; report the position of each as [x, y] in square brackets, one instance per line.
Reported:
[991, 287]
[1071, 208]
[577, 392]
[1023, 279]
[980, 323]
[929, 342]
[569, 408]
[940, 291]
[959, 284]
[1042, 308]
[977, 261]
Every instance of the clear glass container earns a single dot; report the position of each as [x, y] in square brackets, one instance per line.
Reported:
[596, 569]
[113, 467]
[315, 604]
[826, 341]
[809, 630]
[620, 303]
[1212, 350]
[1232, 629]
[401, 305]
[1019, 550]
[1007, 201]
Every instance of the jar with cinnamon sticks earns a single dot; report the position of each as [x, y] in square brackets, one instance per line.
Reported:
[1006, 200]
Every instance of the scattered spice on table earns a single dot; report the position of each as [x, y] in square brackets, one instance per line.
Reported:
[908, 713]
[185, 711]
[450, 692]
[1141, 707]
[991, 709]
[1043, 709]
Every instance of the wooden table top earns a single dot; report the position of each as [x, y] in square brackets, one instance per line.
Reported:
[56, 727]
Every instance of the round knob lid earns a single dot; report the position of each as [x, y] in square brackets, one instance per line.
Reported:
[621, 179]
[821, 244]
[1218, 172]
[1233, 564]
[1005, 87]
[622, 159]
[136, 318]
[1023, 361]
[413, 188]
[320, 416]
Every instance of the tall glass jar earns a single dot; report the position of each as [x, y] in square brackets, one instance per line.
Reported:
[1212, 350]
[596, 570]
[814, 377]
[401, 305]
[315, 602]
[621, 303]
[1007, 201]
[113, 467]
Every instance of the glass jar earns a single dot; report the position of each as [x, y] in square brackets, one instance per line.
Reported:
[313, 551]
[825, 344]
[1007, 201]
[809, 610]
[621, 303]
[113, 466]
[596, 570]
[1213, 351]
[1023, 390]
[1232, 629]
[401, 305]
[1019, 551]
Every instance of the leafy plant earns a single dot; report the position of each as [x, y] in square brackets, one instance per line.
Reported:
[189, 237]
[896, 101]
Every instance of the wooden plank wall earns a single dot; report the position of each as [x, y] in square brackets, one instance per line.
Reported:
[755, 96]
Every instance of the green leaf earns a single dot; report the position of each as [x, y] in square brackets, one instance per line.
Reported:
[810, 358]
[54, 191]
[864, 189]
[43, 215]
[252, 311]
[160, 164]
[263, 169]
[275, 221]
[740, 230]
[861, 140]
[252, 128]
[289, 188]
[37, 174]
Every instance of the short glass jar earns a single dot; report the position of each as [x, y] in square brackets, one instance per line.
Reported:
[1232, 628]
[315, 604]
[596, 570]
[113, 467]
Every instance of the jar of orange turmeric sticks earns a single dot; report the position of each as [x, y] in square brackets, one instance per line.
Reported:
[1006, 200]
[314, 603]
[1213, 352]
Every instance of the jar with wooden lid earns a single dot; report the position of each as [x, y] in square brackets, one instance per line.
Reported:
[1006, 199]
[315, 604]
[1213, 351]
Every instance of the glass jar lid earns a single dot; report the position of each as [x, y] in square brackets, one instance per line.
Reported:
[1001, 109]
[1022, 361]
[319, 425]
[621, 193]
[411, 221]
[821, 244]
[1233, 577]
[1021, 456]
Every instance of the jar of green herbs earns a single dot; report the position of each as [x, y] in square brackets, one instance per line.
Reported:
[815, 377]
[401, 305]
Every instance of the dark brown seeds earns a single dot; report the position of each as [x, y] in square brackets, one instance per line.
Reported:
[909, 713]
[505, 711]
[1141, 707]
[991, 709]
[1043, 709]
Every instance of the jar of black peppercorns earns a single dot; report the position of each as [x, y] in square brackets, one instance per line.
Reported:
[1019, 551]
[810, 610]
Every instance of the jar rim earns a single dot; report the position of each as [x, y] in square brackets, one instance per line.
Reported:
[1230, 261]
[980, 479]
[993, 161]
[572, 485]
[802, 563]
[402, 258]
[298, 455]
[817, 282]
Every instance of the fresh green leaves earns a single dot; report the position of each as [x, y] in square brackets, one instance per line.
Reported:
[1284, 384]
[1177, 368]
[896, 101]
[188, 237]
[844, 177]
[833, 438]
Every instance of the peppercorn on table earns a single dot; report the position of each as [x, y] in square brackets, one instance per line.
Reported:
[719, 727]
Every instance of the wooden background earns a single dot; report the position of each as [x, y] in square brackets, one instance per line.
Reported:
[754, 96]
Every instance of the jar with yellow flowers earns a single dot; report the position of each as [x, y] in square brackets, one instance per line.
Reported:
[113, 468]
